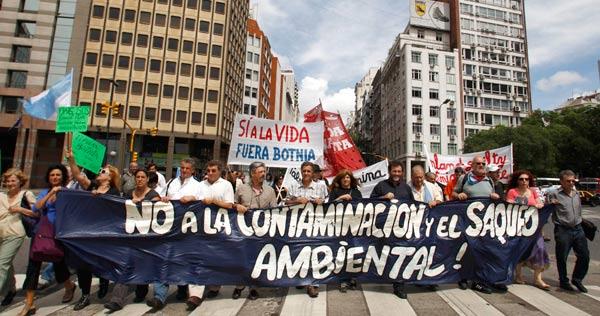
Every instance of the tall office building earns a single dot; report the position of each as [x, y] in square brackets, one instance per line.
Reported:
[173, 65]
[259, 73]
[35, 40]
[492, 40]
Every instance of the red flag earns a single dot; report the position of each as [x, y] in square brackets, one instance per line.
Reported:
[340, 150]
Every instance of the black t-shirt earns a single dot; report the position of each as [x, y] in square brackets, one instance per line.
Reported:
[401, 190]
[148, 197]
[337, 192]
[112, 191]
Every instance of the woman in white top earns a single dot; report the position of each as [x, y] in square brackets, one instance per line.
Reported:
[12, 232]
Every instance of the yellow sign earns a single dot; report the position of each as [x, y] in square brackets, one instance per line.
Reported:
[420, 7]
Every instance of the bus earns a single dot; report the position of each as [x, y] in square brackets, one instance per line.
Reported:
[589, 184]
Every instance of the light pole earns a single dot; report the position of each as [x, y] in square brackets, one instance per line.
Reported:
[113, 85]
[450, 102]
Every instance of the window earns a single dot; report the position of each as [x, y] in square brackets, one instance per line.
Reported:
[25, 29]
[213, 96]
[420, 34]
[254, 93]
[196, 118]
[180, 116]
[165, 115]
[157, 42]
[416, 92]
[198, 94]
[434, 129]
[247, 90]
[415, 57]
[438, 36]
[434, 111]
[88, 83]
[433, 59]
[452, 130]
[142, 40]
[452, 149]
[137, 87]
[202, 49]
[168, 91]
[145, 17]
[175, 22]
[434, 76]
[416, 74]
[216, 51]
[417, 147]
[188, 47]
[150, 114]
[206, 5]
[192, 4]
[129, 16]
[190, 24]
[183, 93]
[110, 37]
[160, 19]
[211, 119]
[450, 79]
[417, 109]
[248, 73]
[134, 112]
[449, 62]
[417, 128]
[249, 57]
[114, 13]
[91, 59]
[185, 69]
[121, 86]
[98, 11]
[220, 7]
[95, 35]
[436, 148]
[204, 26]
[170, 67]
[434, 94]
[139, 64]
[173, 44]
[104, 85]
[218, 29]
[126, 38]
[108, 60]
[200, 71]
[177, 3]
[29, 6]
[10, 104]
[99, 110]
[124, 62]
[155, 65]
[451, 113]
[152, 89]
[215, 73]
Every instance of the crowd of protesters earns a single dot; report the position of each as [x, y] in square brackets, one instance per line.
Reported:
[20, 210]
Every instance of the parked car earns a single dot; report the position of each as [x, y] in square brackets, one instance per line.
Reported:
[589, 198]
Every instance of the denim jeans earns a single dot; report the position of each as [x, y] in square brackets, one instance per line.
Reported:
[160, 291]
[567, 238]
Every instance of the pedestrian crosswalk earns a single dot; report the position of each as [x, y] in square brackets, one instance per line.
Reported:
[376, 299]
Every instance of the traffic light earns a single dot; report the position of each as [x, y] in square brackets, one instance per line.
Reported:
[153, 131]
[134, 156]
[116, 108]
[105, 108]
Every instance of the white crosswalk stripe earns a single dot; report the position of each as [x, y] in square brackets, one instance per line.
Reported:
[378, 300]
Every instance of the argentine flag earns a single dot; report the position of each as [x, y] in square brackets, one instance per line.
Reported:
[45, 105]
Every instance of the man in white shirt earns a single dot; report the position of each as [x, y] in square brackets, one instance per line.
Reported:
[430, 177]
[305, 192]
[162, 183]
[422, 190]
[185, 189]
[219, 192]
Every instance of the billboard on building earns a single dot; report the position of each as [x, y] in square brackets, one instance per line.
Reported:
[430, 14]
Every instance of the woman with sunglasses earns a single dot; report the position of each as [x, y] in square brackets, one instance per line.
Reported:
[521, 191]
[141, 192]
[107, 182]
[56, 178]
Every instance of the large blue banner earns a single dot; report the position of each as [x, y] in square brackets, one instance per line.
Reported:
[372, 240]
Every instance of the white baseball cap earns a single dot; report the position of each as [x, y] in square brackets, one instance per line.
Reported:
[492, 167]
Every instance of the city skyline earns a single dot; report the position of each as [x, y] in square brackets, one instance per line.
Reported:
[328, 63]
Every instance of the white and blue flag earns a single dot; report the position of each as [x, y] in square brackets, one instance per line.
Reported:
[45, 105]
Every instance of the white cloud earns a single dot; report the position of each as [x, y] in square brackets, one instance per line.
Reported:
[314, 89]
[557, 30]
[559, 79]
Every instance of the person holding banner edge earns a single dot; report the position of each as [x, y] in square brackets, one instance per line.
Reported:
[308, 191]
[394, 188]
[215, 191]
[256, 194]
[476, 184]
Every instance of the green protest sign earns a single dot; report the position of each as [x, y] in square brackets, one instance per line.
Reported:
[72, 119]
[88, 152]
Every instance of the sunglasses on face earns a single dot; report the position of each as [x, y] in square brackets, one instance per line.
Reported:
[480, 163]
[102, 171]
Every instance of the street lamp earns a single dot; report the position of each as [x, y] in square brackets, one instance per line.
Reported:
[451, 103]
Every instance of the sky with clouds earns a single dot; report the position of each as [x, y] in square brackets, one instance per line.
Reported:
[331, 44]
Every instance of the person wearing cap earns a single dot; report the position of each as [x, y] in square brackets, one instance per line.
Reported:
[318, 176]
[493, 172]
[458, 171]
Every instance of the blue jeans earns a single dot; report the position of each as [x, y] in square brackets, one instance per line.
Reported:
[160, 291]
[567, 238]
[48, 272]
